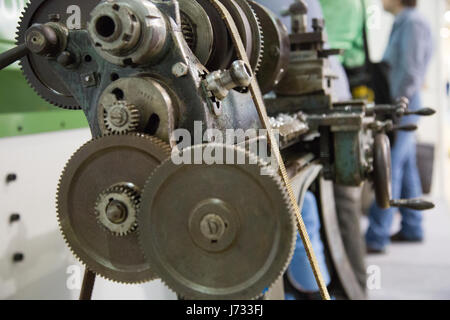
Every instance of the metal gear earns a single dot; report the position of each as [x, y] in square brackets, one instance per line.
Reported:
[36, 69]
[97, 166]
[249, 28]
[117, 207]
[257, 36]
[216, 231]
[274, 59]
[121, 118]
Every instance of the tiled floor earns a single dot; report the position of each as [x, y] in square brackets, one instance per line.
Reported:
[417, 271]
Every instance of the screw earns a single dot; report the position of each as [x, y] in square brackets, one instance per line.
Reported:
[65, 58]
[212, 227]
[11, 177]
[14, 217]
[118, 116]
[116, 212]
[180, 69]
[18, 257]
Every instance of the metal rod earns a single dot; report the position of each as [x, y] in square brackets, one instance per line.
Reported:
[12, 55]
[88, 285]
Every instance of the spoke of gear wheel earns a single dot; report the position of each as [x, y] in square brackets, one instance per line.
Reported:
[216, 231]
[96, 169]
[36, 69]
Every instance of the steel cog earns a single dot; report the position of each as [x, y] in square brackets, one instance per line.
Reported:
[98, 166]
[216, 231]
[116, 209]
[257, 35]
[121, 118]
[36, 69]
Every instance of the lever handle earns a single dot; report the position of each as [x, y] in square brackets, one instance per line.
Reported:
[12, 55]
[425, 112]
[415, 204]
[406, 127]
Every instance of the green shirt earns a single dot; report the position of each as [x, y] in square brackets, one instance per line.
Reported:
[344, 25]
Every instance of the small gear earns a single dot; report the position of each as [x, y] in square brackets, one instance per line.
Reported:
[231, 232]
[117, 207]
[121, 118]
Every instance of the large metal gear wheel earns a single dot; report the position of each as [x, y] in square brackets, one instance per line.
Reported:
[217, 51]
[94, 169]
[36, 69]
[216, 231]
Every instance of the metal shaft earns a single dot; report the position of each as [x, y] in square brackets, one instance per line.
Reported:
[12, 55]
[88, 285]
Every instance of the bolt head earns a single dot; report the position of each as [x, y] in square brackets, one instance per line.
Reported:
[180, 69]
[116, 212]
[118, 116]
[212, 227]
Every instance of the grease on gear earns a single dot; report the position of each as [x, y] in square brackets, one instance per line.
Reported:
[229, 237]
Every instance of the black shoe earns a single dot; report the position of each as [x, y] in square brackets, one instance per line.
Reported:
[299, 295]
[399, 237]
[370, 250]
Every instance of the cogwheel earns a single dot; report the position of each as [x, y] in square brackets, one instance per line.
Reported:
[117, 207]
[187, 28]
[257, 35]
[261, 44]
[231, 232]
[101, 164]
[120, 118]
[36, 69]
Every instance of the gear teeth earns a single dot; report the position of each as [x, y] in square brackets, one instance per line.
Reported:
[154, 140]
[132, 195]
[273, 174]
[133, 119]
[262, 43]
[25, 20]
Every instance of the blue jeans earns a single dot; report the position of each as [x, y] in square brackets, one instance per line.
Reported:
[405, 184]
[299, 272]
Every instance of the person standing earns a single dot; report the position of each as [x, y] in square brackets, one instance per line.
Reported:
[408, 55]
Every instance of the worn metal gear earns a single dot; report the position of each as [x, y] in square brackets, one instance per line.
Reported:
[97, 166]
[275, 59]
[223, 52]
[117, 207]
[36, 69]
[121, 117]
[216, 231]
